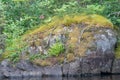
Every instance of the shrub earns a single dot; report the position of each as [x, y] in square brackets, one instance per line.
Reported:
[14, 57]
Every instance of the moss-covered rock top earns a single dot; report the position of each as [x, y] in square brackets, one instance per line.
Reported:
[67, 20]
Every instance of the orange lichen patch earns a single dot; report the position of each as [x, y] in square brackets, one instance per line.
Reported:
[73, 36]
[117, 51]
[83, 46]
[60, 59]
[41, 62]
[73, 40]
[37, 42]
[58, 30]
[86, 35]
[49, 61]
[81, 50]
[70, 57]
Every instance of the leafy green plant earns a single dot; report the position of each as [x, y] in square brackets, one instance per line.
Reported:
[56, 49]
[14, 57]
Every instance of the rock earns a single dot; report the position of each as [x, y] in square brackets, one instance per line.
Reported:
[22, 69]
[31, 73]
[25, 65]
[65, 69]
[55, 70]
[13, 74]
[100, 54]
[96, 66]
[1, 75]
[10, 71]
[103, 44]
[36, 72]
[116, 66]
[33, 50]
[75, 68]
[93, 51]
[5, 63]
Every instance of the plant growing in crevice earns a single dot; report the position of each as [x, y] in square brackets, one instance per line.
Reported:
[56, 49]
[14, 57]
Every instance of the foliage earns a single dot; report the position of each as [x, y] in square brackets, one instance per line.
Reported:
[112, 11]
[56, 49]
[2, 25]
[14, 57]
[2, 17]
[24, 15]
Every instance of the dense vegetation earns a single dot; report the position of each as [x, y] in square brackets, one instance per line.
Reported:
[24, 15]
[2, 25]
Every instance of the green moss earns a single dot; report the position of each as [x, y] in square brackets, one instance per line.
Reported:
[117, 51]
[67, 20]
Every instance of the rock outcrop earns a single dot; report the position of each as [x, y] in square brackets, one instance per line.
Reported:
[88, 50]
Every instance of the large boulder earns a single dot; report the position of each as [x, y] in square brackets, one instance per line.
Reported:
[88, 49]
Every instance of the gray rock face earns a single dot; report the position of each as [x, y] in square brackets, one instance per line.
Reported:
[53, 70]
[103, 44]
[65, 69]
[33, 50]
[25, 66]
[116, 66]
[96, 65]
[75, 68]
[100, 55]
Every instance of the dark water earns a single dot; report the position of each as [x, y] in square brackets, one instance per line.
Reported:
[116, 77]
